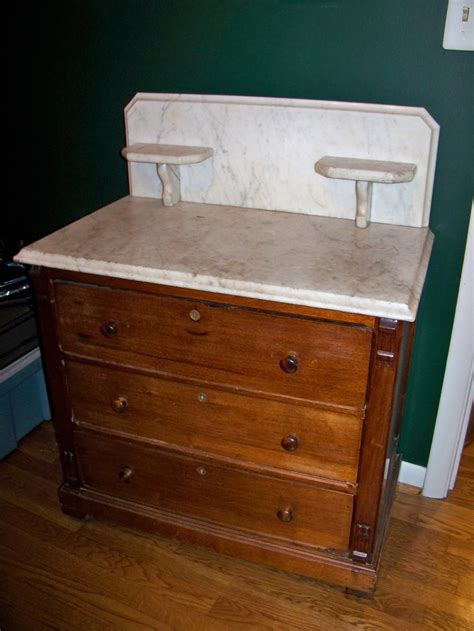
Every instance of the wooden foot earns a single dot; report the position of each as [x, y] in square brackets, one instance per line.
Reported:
[355, 592]
[75, 512]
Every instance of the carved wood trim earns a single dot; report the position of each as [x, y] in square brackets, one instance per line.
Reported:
[362, 542]
[69, 462]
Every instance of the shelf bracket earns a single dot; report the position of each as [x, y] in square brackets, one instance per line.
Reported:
[167, 159]
[170, 180]
[364, 203]
[365, 173]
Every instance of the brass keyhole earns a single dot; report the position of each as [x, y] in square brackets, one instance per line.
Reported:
[194, 315]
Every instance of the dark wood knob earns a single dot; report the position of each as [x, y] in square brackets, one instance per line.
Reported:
[109, 329]
[290, 442]
[285, 514]
[125, 474]
[289, 364]
[119, 405]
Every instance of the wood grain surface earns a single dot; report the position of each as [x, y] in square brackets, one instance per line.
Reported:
[60, 573]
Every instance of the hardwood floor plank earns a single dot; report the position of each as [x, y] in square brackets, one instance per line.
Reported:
[317, 603]
[71, 605]
[233, 613]
[31, 464]
[436, 515]
[34, 494]
[466, 589]
[434, 621]
[335, 611]
[424, 595]
[463, 550]
[38, 444]
[121, 579]
[24, 617]
[417, 554]
[148, 549]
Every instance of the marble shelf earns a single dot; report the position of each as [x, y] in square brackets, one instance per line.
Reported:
[366, 170]
[166, 154]
[167, 159]
[365, 173]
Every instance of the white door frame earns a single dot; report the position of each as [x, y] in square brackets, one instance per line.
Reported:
[458, 389]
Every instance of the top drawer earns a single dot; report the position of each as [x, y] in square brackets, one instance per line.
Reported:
[298, 357]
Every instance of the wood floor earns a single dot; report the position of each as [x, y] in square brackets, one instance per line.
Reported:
[59, 573]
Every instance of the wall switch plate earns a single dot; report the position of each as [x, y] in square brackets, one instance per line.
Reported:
[459, 28]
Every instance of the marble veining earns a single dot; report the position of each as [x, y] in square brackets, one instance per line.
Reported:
[286, 257]
[265, 150]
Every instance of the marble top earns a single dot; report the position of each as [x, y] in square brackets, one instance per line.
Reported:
[286, 257]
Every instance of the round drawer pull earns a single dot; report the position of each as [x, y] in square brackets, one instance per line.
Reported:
[202, 397]
[119, 405]
[125, 474]
[290, 442]
[285, 514]
[201, 470]
[109, 329]
[289, 364]
[194, 315]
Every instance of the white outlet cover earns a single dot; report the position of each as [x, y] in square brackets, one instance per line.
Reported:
[459, 28]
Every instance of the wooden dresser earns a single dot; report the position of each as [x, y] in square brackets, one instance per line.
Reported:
[264, 430]
[227, 347]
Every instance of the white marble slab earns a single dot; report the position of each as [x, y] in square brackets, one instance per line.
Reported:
[286, 257]
[265, 150]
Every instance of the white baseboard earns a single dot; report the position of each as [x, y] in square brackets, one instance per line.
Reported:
[412, 474]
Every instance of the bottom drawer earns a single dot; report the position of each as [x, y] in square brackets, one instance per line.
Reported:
[223, 495]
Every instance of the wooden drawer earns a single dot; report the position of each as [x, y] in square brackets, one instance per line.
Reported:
[224, 495]
[220, 422]
[241, 347]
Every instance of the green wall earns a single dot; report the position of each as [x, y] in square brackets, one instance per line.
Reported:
[96, 54]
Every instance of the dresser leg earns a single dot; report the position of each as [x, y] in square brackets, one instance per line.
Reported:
[76, 512]
[354, 592]
[72, 504]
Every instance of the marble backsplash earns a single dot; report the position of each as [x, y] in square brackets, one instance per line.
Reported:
[265, 150]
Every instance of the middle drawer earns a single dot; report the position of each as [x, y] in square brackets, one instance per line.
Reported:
[293, 437]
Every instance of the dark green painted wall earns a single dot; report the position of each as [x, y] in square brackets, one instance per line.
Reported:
[95, 55]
